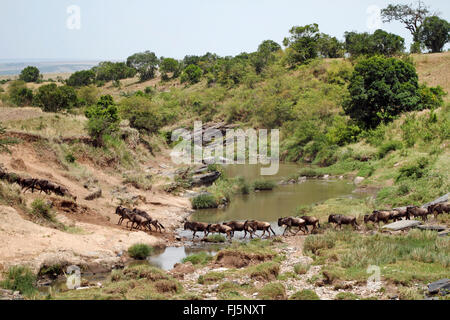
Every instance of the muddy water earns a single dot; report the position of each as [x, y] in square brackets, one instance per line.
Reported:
[270, 205]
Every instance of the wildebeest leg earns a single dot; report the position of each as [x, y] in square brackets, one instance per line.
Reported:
[193, 236]
[120, 221]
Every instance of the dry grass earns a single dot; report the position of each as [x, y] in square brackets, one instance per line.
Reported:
[434, 69]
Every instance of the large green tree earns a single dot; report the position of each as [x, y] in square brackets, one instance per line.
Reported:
[192, 74]
[30, 74]
[145, 63]
[52, 98]
[380, 89]
[81, 78]
[169, 65]
[302, 44]
[330, 47]
[434, 33]
[378, 43]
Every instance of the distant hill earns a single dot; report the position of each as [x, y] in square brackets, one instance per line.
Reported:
[51, 66]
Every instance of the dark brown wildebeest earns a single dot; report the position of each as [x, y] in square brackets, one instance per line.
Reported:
[252, 226]
[150, 221]
[399, 214]
[237, 226]
[158, 226]
[378, 216]
[439, 208]
[339, 220]
[27, 184]
[290, 222]
[123, 213]
[311, 221]
[196, 227]
[418, 212]
[221, 228]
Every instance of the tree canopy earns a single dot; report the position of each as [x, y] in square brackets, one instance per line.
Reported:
[434, 33]
[30, 74]
[145, 63]
[302, 44]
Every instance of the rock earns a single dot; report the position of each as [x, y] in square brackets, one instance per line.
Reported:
[358, 180]
[444, 233]
[206, 179]
[401, 225]
[94, 195]
[302, 179]
[432, 227]
[326, 177]
[10, 295]
[341, 177]
[441, 286]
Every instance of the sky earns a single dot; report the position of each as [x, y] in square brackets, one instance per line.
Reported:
[115, 29]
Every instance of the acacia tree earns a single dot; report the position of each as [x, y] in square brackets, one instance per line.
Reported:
[169, 65]
[302, 44]
[30, 74]
[434, 33]
[145, 64]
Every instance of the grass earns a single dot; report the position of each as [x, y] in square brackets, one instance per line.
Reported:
[347, 296]
[138, 180]
[210, 277]
[216, 238]
[305, 294]
[204, 201]
[266, 271]
[19, 278]
[264, 185]
[419, 256]
[272, 291]
[301, 268]
[140, 251]
[42, 209]
[201, 258]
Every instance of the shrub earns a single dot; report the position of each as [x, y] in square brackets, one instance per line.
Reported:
[301, 268]
[191, 74]
[145, 63]
[140, 251]
[305, 295]
[42, 209]
[341, 132]
[387, 147]
[88, 95]
[198, 258]
[272, 291]
[30, 74]
[103, 119]
[308, 172]
[204, 201]
[264, 185]
[81, 78]
[210, 277]
[19, 94]
[20, 279]
[314, 243]
[414, 170]
[107, 71]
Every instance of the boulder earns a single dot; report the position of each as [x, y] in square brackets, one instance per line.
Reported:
[432, 227]
[205, 179]
[401, 225]
[441, 286]
[358, 180]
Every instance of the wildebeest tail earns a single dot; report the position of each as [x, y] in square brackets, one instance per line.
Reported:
[272, 230]
[159, 223]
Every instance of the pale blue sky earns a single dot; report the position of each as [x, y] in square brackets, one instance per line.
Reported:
[115, 29]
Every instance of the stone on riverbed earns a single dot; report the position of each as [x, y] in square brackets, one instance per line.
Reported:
[401, 225]
[432, 227]
[441, 286]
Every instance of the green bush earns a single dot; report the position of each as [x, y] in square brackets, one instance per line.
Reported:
[81, 78]
[103, 119]
[387, 147]
[42, 209]
[264, 185]
[301, 268]
[414, 170]
[30, 74]
[108, 71]
[19, 94]
[204, 201]
[52, 98]
[201, 258]
[191, 74]
[20, 279]
[305, 295]
[140, 251]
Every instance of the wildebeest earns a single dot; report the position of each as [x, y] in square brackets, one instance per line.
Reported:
[252, 226]
[236, 226]
[290, 222]
[158, 226]
[123, 213]
[196, 227]
[311, 221]
[417, 212]
[378, 216]
[339, 220]
[221, 228]
[398, 214]
[439, 208]
[137, 220]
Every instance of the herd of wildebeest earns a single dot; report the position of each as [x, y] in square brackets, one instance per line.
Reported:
[141, 220]
[303, 223]
[32, 184]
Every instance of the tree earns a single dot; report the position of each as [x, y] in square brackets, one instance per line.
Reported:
[380, 89]
[378, 43]
[191, 74]
[434, 33]
[169, 65]
[19, 94]
[302, 44]
[52, 98]
[30, 74]
[330, 47]
[269, 46]
[408, 14]
[81, 78]
[145, 64]
[103, 119]
[265, 55]
[113, 71]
